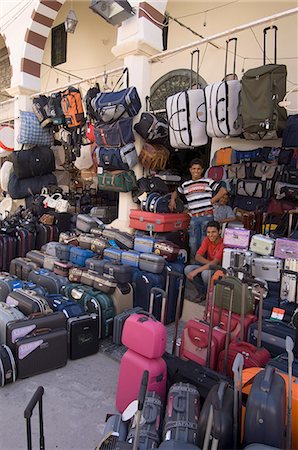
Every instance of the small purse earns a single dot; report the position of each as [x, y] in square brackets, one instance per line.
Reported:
[62, 205]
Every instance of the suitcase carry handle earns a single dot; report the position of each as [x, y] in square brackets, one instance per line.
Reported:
[37, 398]
[226, 59]
[289, 272]
[272, 27]
[267, 379]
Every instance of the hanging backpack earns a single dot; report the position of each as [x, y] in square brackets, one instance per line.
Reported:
[55, 109]
[262, 89]
[150, 127]
[72, 106]
[40, 108]
[90, 95]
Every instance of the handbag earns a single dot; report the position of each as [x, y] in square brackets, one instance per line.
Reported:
[31, 131]
[116, 134]
[62, 206]
[51, 200]
[117, 181]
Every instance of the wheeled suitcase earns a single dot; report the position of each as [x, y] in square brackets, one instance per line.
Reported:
[147, 221]
[222, 103]
[150, 426]
[222, 296]
[130, 258]
[289, 286]
[236, 258]
[40, 353]
[52, 282]
[8, 251]
[262, 245]
[28, 302]
[18, 329]
[286, 248]
[273, 336]
[220, 397]
[46, 233]
[113, 254]
[8, 372]
[150, 262]
[267, 268]
[60, 303]
[186, 112]
[26, 241]
[36, 256]
[8, 283]
[265, 416]
[143, 244]
[142, 283]
[236, 238]
[78, 256]
[7, 314]
[122, 297]
[182, 414]
[119, 321]
[83, 335]
[21, 267]
[132, 367]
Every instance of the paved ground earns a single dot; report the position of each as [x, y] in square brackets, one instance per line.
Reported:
[76, 400]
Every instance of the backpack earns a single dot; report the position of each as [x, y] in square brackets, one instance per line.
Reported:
[55, 109]
[72, 106]
[40, 107]
[90, 95]
[262, 90]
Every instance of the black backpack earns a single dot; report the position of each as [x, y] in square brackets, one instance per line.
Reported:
[91, 93]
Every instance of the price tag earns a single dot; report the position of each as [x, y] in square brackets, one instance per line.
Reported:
[277, 314]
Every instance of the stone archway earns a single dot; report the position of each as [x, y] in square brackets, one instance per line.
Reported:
[5, 70]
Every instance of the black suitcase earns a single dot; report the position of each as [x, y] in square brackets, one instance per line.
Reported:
[221, 399]
[281, 363]
[121, 272]
[119, 320]
[177, 445]
[83, 335]
[7, 284]
[8, 373]
[18, 329]
[21, 267]
[150, 426]
[265, 416]
[273, 336]
[28, 302]
[271, 302]
[191, 372]
[49, 280]
[182, 413]
[26, 241]
[45, 234]
[48, 352]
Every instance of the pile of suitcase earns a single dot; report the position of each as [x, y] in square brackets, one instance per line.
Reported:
[61, 300]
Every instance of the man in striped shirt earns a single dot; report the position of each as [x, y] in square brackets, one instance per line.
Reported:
[201, 194]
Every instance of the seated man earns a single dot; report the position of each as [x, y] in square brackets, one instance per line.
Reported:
[222, 212]
[209, 253]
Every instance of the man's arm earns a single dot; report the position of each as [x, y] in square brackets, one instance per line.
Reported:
[172, 202]
[222, 191]
[206, 266]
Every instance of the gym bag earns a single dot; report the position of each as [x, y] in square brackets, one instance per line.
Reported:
[117, 181]
[37, 161]
[116, 134]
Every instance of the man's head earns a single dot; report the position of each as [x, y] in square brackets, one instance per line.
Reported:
[224, 200]
[213, 230]
[196, 169]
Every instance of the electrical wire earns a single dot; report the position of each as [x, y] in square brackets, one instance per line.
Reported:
[62, 71]
[12, 19]
[208, 10]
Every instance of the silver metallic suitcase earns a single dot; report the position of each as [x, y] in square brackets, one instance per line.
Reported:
[261, 245]
[267, 268]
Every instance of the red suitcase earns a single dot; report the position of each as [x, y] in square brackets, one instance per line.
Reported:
[235, 321]
[147, 221]
[130, 375]
[145, 335]
[194, 343]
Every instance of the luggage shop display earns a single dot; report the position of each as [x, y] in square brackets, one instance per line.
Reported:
[261, 90]
[186, 112]
[222, 102]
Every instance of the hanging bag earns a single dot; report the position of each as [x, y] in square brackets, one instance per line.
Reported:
[31, 132]
[117, 181]
[116, 134]
[150, 127]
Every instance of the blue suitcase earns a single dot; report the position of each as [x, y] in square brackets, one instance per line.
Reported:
[49, 280]
[131, 258]
[143, 244]
[172, 290]
[142, 283]
[78, 256]
[113, 254]
[60, 303]
[273, 336]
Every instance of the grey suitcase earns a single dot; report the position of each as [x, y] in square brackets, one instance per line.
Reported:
[105, 213]
[267, 268]
[28, 302]
[8, 372]
[50, 248]
[49, 280]
[119, 321]
[151, 263]
[21, 267]
[289, 286]
[7, 314]
[49, 262]
[63, 251]
[96, 264]
[85, 240]
[85, 222]
[36, 256]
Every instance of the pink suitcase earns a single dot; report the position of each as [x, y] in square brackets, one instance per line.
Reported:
[130, 375]
[236, 238]
[286, 248]
[160, 222]
[145, 335]
[194, 342]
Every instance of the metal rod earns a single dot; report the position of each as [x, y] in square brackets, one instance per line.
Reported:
[162, 55]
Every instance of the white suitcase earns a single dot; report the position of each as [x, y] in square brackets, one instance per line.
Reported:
[222, 102]
[288, 287]
[261, 245]
[236, 258]
[291, 264]
[186, 113]
[267, 268]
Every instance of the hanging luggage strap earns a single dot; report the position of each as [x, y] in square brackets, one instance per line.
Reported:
[233, 74]
[273, 27]
[37, 398]
[194, 52]
[125, 72]
[163, 294]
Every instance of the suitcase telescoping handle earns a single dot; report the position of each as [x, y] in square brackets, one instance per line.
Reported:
[273, 27]
[235, 40]
[141, 400]
[37, 398]
[194, 52]
[156, 290]
[180, 277]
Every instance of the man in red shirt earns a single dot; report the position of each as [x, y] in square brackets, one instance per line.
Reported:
[209, 253]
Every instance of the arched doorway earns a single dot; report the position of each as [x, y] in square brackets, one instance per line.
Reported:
[169, 84]
[5, 71]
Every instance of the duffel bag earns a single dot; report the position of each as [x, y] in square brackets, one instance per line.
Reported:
[31, 131]
[151, 128]
[289, 175]
[285, 191]
[154, 156]
[116, 134]
[124, 158]
[117, 181]
[29, 186]
[37, 161]
[253, 188]
[264, 171]
[249, 203]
